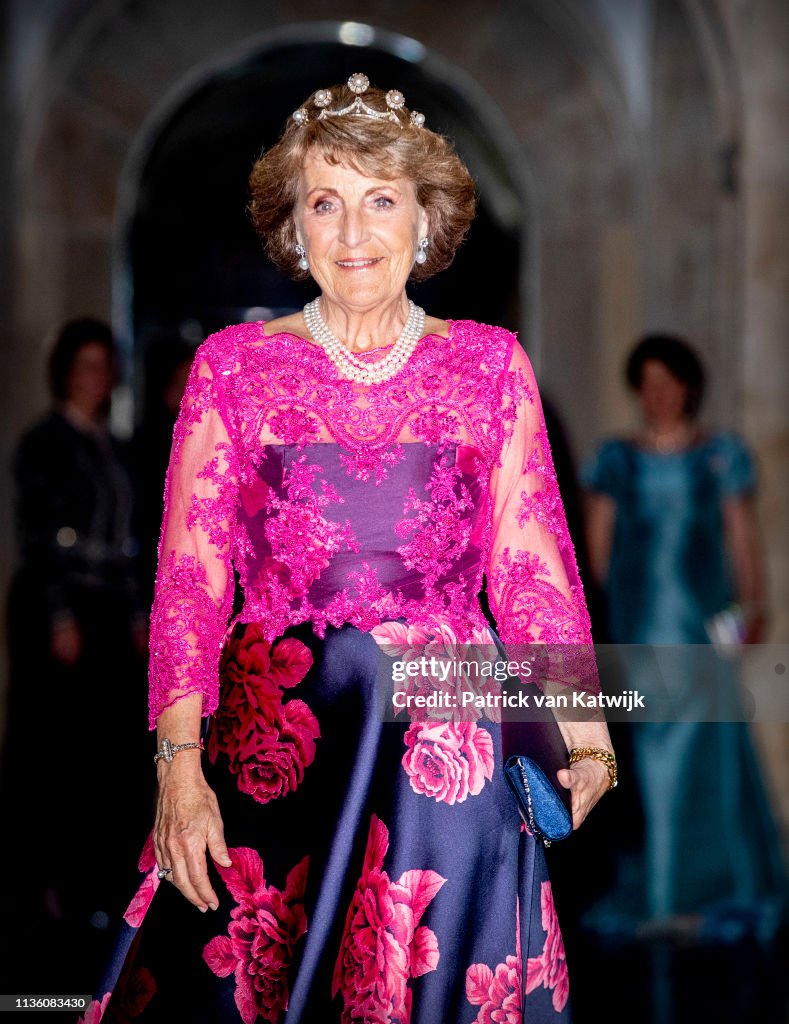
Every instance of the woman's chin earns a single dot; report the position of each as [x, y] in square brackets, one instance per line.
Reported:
[363, 290]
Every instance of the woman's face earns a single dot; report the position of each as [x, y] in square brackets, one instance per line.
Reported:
[90, 380]
[662, 396]
[360, 233]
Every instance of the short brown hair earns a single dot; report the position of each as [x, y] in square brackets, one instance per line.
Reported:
[444, 187]
[679, 359]
[71, 338]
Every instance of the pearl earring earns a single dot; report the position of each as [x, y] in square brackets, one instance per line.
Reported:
[301, 252]
[421, 251]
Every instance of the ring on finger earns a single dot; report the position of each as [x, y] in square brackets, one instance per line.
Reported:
[162, 873]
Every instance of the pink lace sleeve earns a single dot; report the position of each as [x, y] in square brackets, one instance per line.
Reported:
[194, 581]
[534, 589]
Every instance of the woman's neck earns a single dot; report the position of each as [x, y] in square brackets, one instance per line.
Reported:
[670, 436]
[364, 330]
[85, 417]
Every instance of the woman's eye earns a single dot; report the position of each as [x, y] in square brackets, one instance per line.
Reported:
[382, 202]
[322, 206]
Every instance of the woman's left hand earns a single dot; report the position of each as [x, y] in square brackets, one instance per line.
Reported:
[588, 781]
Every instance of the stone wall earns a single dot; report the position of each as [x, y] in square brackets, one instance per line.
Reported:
[760, 39]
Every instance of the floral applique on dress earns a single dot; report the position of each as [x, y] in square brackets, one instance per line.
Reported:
[269, 743]
[383, 945]
[266, 924]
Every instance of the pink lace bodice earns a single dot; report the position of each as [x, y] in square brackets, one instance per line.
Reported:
[337, 503]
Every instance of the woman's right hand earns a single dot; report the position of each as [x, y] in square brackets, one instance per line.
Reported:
[187, 823]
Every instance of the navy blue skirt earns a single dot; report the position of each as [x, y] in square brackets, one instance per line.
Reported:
[381, 871]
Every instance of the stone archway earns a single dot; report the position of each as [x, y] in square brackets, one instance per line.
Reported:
[566, 130]
[184, 185]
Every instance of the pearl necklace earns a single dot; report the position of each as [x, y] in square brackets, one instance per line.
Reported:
[351, 365]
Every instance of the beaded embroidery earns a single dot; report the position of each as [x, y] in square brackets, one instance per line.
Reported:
[237, 499]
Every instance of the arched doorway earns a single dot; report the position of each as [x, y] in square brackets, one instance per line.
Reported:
[187, 260]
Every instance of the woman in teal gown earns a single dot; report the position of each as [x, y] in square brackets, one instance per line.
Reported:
[674, 543]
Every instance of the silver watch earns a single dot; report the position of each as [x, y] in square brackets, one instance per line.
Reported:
[168, 750]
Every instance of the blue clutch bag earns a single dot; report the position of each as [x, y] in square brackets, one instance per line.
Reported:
[545, 804]
[534, 752]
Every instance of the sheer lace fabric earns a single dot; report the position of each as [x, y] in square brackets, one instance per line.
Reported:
[335, 502]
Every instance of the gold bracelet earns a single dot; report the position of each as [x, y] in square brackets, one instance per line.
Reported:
[597, 754]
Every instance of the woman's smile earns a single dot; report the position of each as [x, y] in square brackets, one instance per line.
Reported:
[359, 263]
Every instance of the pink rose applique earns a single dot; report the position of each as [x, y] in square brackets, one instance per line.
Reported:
[141, 900]
[448, 761]
[397, 638]
[498, 993]
[95, 1010]
[147, 855]
[549, 969]
[264, 928]
[383, 945]
[276, 766]
[268, 743]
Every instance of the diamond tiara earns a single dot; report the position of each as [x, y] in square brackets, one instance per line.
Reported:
[359, 84]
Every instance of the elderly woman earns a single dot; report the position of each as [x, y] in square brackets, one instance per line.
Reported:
[360, 466]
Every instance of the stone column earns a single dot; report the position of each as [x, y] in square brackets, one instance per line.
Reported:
[759, 33]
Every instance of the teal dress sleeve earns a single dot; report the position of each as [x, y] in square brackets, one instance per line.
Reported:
[602, 472]
[735, 466]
